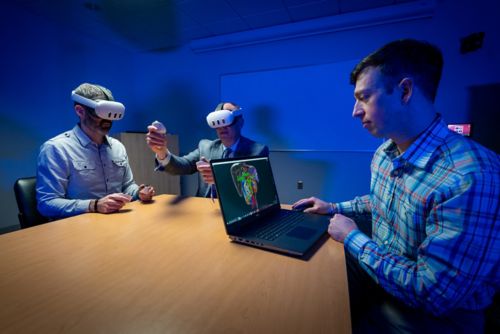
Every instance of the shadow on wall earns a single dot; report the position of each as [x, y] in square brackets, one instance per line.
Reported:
[176, 106]
[18, 154]
[264, 119]
[329, 175]
[17, 140]
[484, 113]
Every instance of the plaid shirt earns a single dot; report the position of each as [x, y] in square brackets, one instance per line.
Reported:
[435, 222]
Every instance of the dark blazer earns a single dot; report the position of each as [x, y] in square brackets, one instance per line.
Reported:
[210, 149]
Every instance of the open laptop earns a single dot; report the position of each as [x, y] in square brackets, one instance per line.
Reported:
[251, 209]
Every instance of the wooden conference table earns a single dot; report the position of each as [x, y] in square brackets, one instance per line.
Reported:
[164, 267]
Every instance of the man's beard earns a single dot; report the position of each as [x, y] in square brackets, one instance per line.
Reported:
[105, 125]
[99, 125]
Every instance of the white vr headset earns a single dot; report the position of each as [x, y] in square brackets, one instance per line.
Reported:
[220, 118]
[109, 110]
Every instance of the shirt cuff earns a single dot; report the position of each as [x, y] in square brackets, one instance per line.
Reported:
[344, 207]
[164, 162]
[84, 206]
[355, 241]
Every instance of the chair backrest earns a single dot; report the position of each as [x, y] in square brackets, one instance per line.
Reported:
[492, 325]
[25, 191]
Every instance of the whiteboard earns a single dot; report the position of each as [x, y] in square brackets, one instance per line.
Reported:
[300, 108]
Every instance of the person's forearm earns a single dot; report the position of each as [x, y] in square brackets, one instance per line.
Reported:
[61, 208]
[357, 206]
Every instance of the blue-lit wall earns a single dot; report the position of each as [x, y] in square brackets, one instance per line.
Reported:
[41, 63]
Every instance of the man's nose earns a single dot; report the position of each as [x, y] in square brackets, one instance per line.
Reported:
[357, 111]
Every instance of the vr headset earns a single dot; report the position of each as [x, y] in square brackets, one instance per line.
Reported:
[219, 118]
[110, 110]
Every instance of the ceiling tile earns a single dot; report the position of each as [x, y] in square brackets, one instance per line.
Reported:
[256, 7]
[185, 21]
[312, 10]
[358, 5]
[305, 2]
[227, 26]
[205, 12]
[267, 19]
[186, 35]
[152, 23]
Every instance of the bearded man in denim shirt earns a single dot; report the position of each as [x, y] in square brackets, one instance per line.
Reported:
[84, 169]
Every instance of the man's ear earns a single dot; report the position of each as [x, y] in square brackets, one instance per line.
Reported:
[80, 111]
[406, 86]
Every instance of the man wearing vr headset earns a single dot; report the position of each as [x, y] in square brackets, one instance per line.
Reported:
[85, 170]
[227, 120]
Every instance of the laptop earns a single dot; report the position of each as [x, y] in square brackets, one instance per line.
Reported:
[251, 209]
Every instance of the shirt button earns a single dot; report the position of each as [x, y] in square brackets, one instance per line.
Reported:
[386, 242]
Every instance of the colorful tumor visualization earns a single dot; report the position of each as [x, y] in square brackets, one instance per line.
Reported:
[245, 179]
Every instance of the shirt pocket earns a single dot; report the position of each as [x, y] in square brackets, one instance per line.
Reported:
[118, 169]
[411, 227]
[83, 174]
[119, 163]
[83, 167]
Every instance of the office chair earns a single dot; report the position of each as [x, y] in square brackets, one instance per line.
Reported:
[492, 324]
[24, 189]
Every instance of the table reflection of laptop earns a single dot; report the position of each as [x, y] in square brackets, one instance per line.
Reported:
[251, 208]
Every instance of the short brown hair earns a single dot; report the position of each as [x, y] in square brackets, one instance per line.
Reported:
[406, 57]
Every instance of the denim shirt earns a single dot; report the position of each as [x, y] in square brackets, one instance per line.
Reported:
[73, 170]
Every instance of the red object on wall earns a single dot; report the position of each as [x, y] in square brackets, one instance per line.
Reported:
[462, 129]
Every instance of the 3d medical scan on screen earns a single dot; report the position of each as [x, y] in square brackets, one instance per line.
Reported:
[246, 179]
[244, 187]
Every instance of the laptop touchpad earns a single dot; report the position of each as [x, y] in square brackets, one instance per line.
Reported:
[301, 232]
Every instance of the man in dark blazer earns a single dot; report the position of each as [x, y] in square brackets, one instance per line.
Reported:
[230, 143]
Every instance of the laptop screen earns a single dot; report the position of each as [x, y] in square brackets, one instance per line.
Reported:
[244, 186]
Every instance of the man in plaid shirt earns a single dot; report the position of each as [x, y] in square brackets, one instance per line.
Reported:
[432, 262]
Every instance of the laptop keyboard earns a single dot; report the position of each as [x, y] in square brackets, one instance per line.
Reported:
[284, 224]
